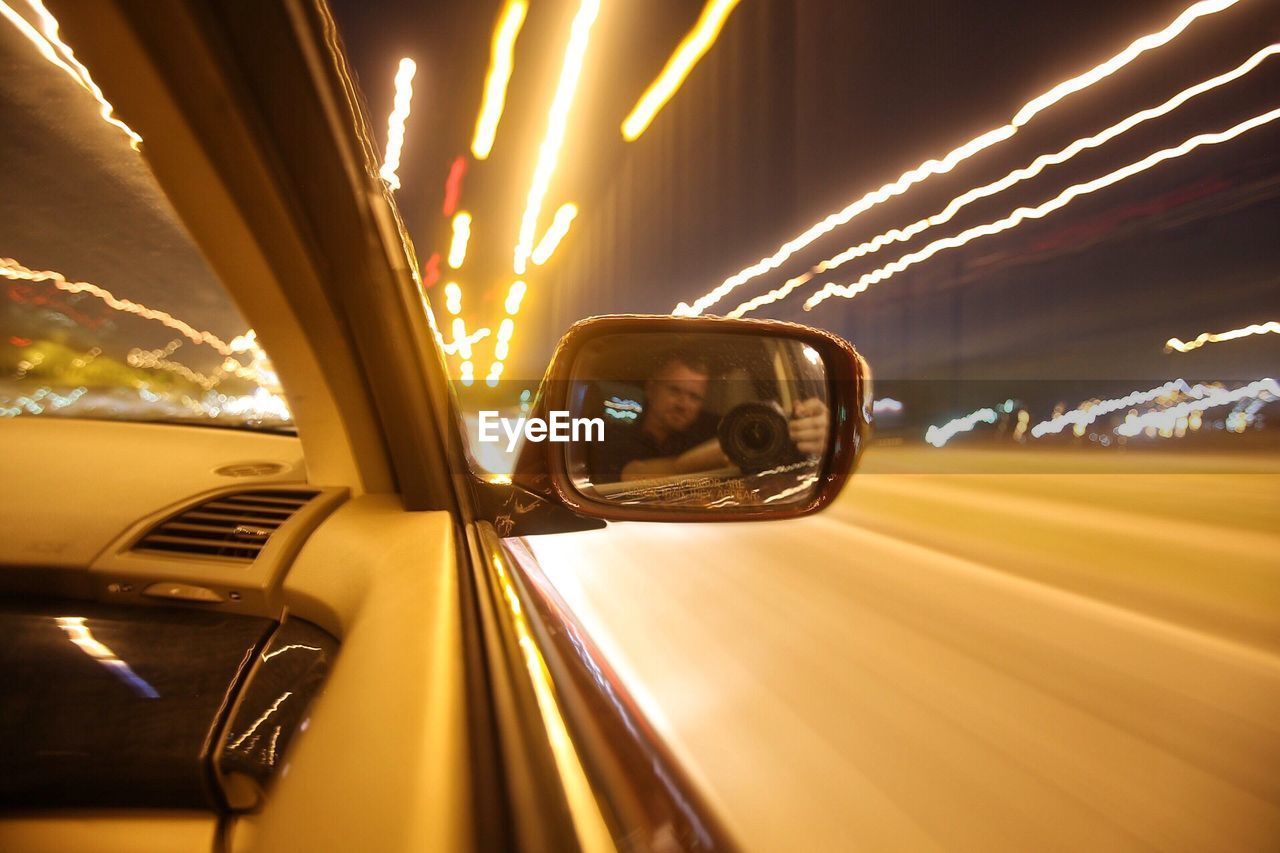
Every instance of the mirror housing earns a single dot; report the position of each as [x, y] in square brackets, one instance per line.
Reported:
[560, 471]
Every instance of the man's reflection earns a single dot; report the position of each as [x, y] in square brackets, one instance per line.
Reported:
[677, 435]
[674, 435]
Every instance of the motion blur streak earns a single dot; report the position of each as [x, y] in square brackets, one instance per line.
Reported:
[1094, 409]
[11, 269]
[1104, 673]
[957, 155]
[453, 185]
[555, 233]
[557, 120]
[461, 235]
[58, 52]
[453, 298]
[515, 294]
[1178, 345]
[457, 344]
[1165, 419]
[83, 638]
[1023, 214]
[395, 124]
[501, 64]
[939, 436]
[687, 54]
[899, 235]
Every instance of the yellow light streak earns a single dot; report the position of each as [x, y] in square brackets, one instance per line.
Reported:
[957, 155]
[461, 235]
[515, 295]
[51, 46]
[555, 233]
[395, 124]
[1178, 345]
[11, 269]
[453, 298]
[687, 53]
[455, 346]
[557, 120]
[1023, 214]
[1031, 170]
[80, 635]
[501, 64]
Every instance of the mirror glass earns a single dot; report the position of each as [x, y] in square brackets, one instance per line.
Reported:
[698, 421]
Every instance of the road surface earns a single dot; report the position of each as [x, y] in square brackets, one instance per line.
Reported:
[965, 661]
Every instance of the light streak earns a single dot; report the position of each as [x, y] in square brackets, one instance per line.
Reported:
[1023, 214]
[395, 124]
[1031, 170]
[275, 706]
[886, 406]
[55, 50]
[501, 64]
[453, 184]
[557, 120]
[455, 346]
[32, 403]
[1178, 345]
[83, 638]
[1091, 410]
[452, 297]
[11, 269]
[957, 155]
[555, 233]
[1167, 419]
[686, 55]
[515, 295]
[940, 435]
[461, 235]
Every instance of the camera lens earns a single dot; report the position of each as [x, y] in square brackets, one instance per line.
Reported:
[755, 436]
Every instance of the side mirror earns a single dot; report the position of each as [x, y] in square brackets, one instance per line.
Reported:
[696, 419]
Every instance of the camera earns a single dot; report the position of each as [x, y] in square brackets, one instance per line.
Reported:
[755, 436]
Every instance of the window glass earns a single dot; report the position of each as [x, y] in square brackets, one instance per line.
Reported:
[109, 309]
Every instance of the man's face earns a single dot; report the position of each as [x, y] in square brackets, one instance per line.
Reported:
[675, 397]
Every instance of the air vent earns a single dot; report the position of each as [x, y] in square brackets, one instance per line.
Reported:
[232, 527]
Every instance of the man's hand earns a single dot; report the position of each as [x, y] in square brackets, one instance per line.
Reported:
[810, 426]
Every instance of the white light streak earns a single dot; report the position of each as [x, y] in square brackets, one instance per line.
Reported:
[1023, 214]
[957, 155]
[899, 235]
[940, 435]
[395, 124]
[1089, 412]
[1167, 419]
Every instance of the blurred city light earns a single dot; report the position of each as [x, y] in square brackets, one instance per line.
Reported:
[957, 155]
[1165, 421]
[940, 435]
[555, 233]
[1023, 214]
[453, 185]
[461, 235]
[1178, 345]
[898, 235]
[395, 124]
[1091, 410]
[501, 64]
[58, 52]
[557, 121]
[687, 54]
[453, 298]
[11, 269]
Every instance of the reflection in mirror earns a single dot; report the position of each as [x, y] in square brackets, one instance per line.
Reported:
[693, 421]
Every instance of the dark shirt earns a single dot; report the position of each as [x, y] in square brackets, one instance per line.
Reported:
[625, 443]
